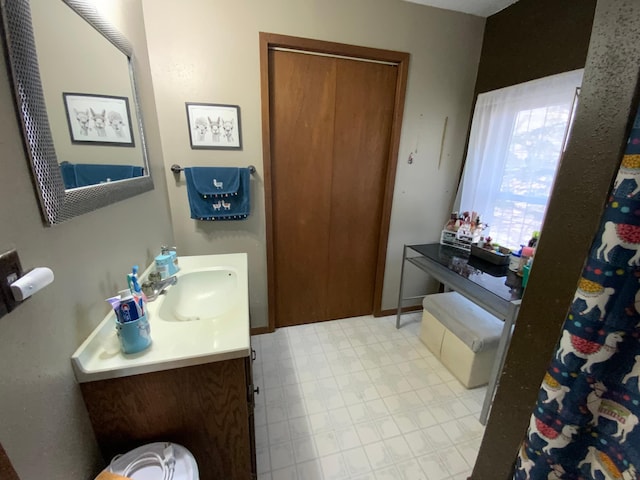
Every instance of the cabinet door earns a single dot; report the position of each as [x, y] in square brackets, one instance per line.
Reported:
[203, 407]
[252, 391]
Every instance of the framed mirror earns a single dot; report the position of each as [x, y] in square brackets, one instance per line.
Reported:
[74, 84]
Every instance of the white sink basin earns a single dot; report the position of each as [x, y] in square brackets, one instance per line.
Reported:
[203, 318]
[201, 295]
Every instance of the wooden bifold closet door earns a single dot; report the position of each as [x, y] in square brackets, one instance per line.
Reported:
[330, 124]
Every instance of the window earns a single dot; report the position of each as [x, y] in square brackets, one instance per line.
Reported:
[517, 138]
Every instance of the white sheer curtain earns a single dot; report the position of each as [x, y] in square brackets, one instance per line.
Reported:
[515, 146]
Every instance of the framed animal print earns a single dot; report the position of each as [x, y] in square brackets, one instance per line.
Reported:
[214, 126]
[98, 119]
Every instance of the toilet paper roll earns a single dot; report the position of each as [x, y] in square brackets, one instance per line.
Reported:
[32, 282]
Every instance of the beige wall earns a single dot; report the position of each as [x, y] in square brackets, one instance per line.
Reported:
[43, 423]
[207, 51]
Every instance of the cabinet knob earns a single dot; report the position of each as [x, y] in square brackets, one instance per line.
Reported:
[253, 354]
[256, 390]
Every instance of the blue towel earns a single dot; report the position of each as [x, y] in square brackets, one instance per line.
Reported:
[68, 171]
[218, 193]
[88, 174]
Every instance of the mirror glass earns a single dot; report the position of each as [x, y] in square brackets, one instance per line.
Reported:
[75, 87]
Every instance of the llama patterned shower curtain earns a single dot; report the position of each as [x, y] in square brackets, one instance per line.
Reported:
[585, 423]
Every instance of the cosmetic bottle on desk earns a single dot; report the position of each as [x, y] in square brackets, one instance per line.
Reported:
[526, 270]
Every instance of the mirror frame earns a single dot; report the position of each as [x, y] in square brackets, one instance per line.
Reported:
[56, 203]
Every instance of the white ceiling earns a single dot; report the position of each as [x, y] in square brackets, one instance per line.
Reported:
[481, 8]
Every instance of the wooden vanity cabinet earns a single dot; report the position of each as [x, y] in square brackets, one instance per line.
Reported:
[207, 408]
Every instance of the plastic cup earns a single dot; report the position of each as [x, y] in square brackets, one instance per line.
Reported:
[134, 336]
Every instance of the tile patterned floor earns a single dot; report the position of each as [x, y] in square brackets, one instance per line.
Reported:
[358, 399]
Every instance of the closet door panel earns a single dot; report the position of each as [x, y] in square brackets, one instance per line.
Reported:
[302, 100]
[365, 95]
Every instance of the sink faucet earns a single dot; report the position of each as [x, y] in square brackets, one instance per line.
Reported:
[156, 286]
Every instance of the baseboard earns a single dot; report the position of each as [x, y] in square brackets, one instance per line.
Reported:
[260, 330]
[381, 313]
[394, 311]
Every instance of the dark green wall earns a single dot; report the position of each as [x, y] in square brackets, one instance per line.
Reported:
[533, 39]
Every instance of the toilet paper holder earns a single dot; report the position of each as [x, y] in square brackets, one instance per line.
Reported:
[15, 285]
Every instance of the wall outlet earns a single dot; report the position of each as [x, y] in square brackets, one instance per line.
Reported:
[10, 271]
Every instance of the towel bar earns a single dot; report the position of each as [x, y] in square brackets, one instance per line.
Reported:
[175, 168]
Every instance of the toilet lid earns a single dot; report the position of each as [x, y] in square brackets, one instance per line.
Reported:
[185, 467]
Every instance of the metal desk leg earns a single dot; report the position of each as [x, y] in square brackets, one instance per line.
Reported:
[498, 363]
[400, 297]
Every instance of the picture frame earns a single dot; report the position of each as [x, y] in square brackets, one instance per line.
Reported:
[98, 119]
[214, 126]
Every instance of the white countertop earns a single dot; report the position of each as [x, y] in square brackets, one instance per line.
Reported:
[175, 343]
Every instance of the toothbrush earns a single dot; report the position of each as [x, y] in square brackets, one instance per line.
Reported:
[134, 278]
[137, 289]
[132, 288]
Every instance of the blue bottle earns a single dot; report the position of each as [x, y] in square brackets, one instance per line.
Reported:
[163, 262]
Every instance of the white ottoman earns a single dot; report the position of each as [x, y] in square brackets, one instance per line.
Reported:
[462, 335]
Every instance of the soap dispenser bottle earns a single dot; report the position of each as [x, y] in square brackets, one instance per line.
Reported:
[162, 263]
[167, 262]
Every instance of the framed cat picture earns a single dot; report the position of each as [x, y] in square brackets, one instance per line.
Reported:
[214, 126]
[98, 119]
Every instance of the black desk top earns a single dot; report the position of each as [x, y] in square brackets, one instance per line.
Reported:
[498, 280]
